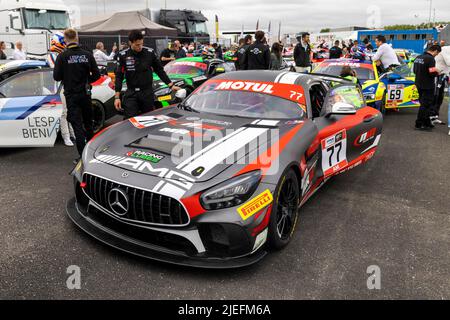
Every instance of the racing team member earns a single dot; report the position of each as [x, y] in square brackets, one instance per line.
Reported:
[385, 55]
[240, 53]
[349, 74]
[257, 55]
[137, 65]
[168, 54]
[443, 67]
[76, 68]
[335, 51]
[425, 70]
[302, 54]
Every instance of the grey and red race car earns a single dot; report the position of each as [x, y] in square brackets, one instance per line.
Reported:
[217, 181]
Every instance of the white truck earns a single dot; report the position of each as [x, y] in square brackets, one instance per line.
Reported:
[32, 23]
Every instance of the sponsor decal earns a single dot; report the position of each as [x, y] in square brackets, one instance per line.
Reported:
[246, 86]
[287, 91]
[255, 205]
[199, 78]
[175, 131]
[349, 64]
[395, 93]
[334, 153]
[199, 65]
[40, 127]
[218, 122]
[149, 121]
[146, 156]
[173, 183]
[365, 137]
[165, 98]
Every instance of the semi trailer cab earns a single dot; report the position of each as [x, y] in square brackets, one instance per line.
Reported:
[32, 23]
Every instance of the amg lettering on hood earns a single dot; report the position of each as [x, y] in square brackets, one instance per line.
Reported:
[173, 183]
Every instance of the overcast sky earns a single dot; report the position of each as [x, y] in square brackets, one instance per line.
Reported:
[295, 15]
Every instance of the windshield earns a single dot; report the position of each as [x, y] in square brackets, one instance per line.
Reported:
[211, 99]
[186, 68]
[197, 27]
[363, 74]
[48, 19]
[404, 71]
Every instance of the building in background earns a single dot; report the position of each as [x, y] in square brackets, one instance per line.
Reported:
[414, 40]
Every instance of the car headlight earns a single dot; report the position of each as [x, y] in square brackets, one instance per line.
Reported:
[77, 172]
[232, 192]
[370, 96]
[163, 92]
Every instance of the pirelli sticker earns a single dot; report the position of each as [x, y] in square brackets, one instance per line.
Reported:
[255, 205]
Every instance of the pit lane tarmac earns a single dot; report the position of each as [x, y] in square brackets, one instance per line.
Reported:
[392, 213]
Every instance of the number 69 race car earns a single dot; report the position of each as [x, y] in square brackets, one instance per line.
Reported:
[217, 180]
[391, 90]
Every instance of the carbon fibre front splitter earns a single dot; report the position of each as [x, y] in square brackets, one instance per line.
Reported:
[153, 252]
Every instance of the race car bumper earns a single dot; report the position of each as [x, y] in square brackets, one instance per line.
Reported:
[190, 246]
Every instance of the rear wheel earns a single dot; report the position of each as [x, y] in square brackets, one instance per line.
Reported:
[98, 115]
[284, 211]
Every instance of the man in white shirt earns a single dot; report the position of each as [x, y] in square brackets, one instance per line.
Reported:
[19, 54]
[100, 55]
[385, 54]
[443, 67]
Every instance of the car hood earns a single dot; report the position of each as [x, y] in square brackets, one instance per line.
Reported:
[194, 145]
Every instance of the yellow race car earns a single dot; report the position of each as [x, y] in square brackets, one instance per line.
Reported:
[391, 90]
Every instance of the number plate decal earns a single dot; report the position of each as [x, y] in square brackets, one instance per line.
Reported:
[395, 93]
[334, 153]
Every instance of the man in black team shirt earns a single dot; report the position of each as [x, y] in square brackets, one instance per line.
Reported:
[167, 55]
[257, 55]
[76, 69]
[137, 65]
[425, 70]
[335, 51]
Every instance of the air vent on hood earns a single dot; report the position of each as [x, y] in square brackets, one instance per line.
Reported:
[164, 144]
[174, 115]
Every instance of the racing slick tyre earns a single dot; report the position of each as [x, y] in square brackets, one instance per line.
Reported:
[284, 214]
[98, 115]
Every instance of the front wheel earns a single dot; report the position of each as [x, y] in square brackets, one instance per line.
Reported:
[284, 211]
[98, 115]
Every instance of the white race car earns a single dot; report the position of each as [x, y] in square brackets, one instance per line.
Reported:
[31, 108]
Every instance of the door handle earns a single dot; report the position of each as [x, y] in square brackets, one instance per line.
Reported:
[369, 118]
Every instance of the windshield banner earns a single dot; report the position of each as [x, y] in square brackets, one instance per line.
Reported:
[290, 92]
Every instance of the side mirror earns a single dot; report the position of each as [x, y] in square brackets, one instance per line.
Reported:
[181, 94]
[341, 108]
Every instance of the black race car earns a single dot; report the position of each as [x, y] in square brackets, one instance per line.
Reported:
[217, 180]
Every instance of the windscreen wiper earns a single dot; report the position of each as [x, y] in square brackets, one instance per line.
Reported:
[187, 108]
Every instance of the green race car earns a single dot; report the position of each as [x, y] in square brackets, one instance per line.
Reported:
[189, 74]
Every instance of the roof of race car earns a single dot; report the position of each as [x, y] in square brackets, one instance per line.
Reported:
[12, 64]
